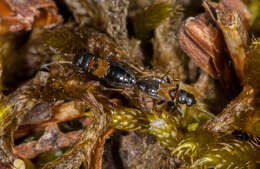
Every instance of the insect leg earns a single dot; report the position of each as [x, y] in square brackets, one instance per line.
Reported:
[108, 57]
[168, 79]
[171, 105]
[179, 109]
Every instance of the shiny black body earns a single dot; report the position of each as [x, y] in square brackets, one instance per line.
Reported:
[185, 98]
[116, 74]
[151, 86]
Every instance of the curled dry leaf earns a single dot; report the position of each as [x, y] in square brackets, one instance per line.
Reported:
[235, 34]
[190, 46]
[203, 42]
[99, 149]
[239, 7]
[83, 149]
[44, 114]
[19, 103]
[23, 15]
[228, 120]
[243, 112]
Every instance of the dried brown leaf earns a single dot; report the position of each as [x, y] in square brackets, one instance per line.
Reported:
[235, 34]
[194, 35]
[239, 7]
[99, 150]
[24, 15]
[51, 140]
[203, 42]
[238, 114]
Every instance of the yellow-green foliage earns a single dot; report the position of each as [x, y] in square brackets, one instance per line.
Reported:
[254, 7]
[230, 153]
[189, 147]
[5, 120]
[164, 125]
[128, 119]
[195, 115]
[198, 148]
[64, 40]
[202, 149]
[148, 19]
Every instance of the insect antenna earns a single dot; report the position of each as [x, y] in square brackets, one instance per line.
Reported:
[45, 66]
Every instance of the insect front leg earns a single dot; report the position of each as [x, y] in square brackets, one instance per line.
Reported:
[108, 57]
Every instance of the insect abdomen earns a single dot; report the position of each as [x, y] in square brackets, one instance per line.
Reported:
[118, 74]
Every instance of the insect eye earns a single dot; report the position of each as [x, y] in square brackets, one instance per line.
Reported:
[190, 100]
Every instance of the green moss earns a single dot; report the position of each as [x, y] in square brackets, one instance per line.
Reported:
[201, 149]
[64, 41]
[193, 127]
[5, 118]
[164, 127]
[254, 7]
[129, 119]
[167, 127]
[196, 114]
[229, 153]
[148, 19]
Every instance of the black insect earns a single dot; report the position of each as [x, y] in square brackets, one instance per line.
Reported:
[160, 89]
[185, 98]
[116, 74]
